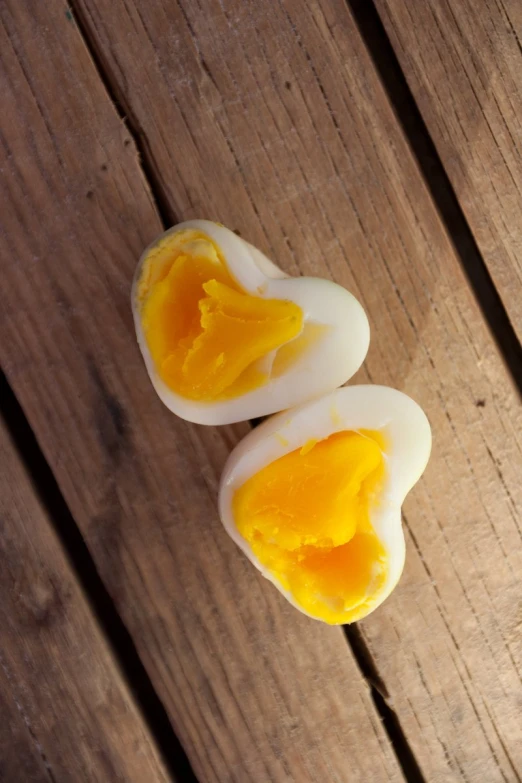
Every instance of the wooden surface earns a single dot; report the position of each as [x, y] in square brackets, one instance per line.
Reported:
[318, 174]
[66, 713]
[463, 62]
[271, 118]
[255, 690]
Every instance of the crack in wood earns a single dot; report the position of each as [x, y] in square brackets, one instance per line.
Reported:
[381, 699]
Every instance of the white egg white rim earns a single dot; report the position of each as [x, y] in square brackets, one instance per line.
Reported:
[407, 434]
[323, 367]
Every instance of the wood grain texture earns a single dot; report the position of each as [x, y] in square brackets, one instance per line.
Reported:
[269, 117]
[66, 712]
[256, 692]
[463, 62]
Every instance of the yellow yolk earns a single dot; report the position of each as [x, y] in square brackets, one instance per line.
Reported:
[306, 518]
[206, 336]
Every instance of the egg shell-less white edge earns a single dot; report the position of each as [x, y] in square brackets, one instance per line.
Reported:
[327, 364]
[407, 435]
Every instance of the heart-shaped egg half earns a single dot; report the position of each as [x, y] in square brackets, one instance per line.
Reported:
[226, 336]
[313, 497]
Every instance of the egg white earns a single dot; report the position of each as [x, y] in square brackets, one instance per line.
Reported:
[407, 436]
[328, 363]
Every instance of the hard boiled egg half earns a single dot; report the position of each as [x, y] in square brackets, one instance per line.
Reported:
[226, 336]
[313, 498]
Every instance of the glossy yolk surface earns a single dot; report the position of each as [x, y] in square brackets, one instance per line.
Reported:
[206, 336]
[306, 518]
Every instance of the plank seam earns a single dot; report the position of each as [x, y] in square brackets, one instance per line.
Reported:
[433, 172]
[115, 633]
[380, 697]
[153, 183]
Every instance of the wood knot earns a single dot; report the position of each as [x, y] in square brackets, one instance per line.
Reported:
[41, 602]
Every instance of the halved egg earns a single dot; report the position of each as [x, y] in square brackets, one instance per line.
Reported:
[226, 336]
[313, 498]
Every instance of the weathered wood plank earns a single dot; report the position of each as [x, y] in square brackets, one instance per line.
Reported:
[463, 62]
[255, 690]
[269, 117]
[66, 712]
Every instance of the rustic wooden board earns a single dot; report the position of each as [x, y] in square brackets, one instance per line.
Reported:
[463, 62]
[255, 690]
[269, 117]
[66, 712]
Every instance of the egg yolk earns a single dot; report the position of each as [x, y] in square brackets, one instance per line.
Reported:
[306, 517]
[206, 336]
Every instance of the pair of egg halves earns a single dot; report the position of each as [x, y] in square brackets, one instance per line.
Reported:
[313, 495]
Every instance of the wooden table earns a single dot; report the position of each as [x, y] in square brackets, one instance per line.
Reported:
[377, 145]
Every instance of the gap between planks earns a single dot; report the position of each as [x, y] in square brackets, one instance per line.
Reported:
[379, 693]
[407, 112]
[114, 631]
[159, 196]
